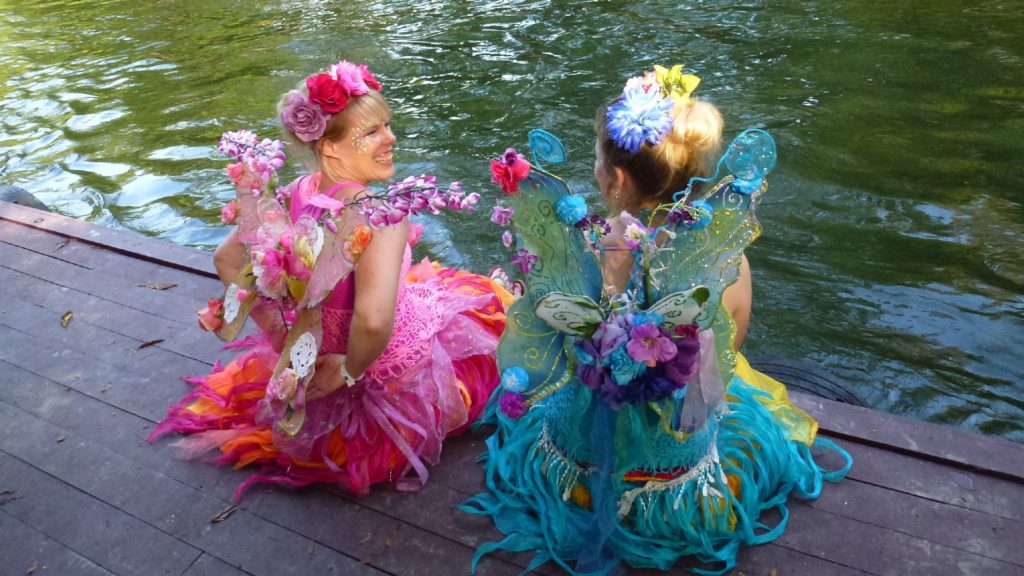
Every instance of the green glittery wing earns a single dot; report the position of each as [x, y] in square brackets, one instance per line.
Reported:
[563, 264]
[710, 255]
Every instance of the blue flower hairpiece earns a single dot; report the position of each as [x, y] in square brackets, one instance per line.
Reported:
[640, 115]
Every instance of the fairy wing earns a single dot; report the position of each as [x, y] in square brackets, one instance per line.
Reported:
[563, 262]
[335, 259]
[709, 255]
[681, 308]
[569, 313]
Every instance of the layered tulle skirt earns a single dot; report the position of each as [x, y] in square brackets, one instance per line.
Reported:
[432, 381]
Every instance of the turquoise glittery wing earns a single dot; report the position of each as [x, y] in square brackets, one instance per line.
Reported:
[708, 253]
[563, 264]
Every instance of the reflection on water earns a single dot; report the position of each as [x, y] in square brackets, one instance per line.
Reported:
[892, 229]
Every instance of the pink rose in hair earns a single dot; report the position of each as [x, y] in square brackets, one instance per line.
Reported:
[351, 77]
[303, 118]
[369, 78]
[327, 93]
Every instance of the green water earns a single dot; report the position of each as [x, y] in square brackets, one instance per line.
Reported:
[894, 222]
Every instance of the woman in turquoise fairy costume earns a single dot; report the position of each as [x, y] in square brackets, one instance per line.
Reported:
[629, 427]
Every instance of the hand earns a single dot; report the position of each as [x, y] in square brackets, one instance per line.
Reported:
[327, 377]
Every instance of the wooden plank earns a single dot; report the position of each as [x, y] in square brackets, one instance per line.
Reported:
[186, 340]
[926, 479]
[96, 257]
[25, 550]
[922, 439]
[311, 513]
[168, 505]
[113, 428]
[975, 532]
[879, 550]
[146, 391]
[121, 241]
[124, 545]
[174, 307]
[208, 565]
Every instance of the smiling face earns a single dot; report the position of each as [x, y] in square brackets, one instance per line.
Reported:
[359, 143]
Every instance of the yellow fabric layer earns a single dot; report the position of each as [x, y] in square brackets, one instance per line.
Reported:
[797, 423]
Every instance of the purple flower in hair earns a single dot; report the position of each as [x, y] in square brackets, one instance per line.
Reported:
[639, 116]
[303, 118]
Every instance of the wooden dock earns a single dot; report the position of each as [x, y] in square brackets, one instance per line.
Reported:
[82, 494]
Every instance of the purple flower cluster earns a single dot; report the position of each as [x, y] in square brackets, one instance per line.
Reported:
[414, 195]
[262, 157]
[523, 260]
[632, 359]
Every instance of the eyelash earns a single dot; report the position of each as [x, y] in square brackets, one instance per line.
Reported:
[374, 131]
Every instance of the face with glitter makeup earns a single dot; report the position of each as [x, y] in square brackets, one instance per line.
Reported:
[370, 146]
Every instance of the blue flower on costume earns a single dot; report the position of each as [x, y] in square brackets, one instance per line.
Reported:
[515, 379]
[624, 368]
[703, 216]
[571, 209]
[639, 116]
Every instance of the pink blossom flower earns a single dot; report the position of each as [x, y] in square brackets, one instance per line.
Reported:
[284, 385]
[242, 295]
[235, 172]
[229, 212]
[350, 77]
[648, 344]
[506, 238]
[415, 233]
[211, 318]
[502, 215]
[303, 118]
[509, 170]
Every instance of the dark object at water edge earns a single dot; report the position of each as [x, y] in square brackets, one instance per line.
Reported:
[20, 196]
[809, 381]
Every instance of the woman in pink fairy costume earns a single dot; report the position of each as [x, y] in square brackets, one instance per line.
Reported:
[361, 385]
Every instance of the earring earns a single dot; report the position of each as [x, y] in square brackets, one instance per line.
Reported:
[618, 194]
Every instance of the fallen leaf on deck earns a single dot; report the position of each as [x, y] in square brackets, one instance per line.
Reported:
[62, 244]
[60, 438]
[32, 567]
[65, 319]
[149, 343]
[158, 285]
[105, 388]
[222, 516]
[367, 539]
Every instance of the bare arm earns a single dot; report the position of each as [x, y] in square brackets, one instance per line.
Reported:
[229, 257]
[377, 277]
[738, 299]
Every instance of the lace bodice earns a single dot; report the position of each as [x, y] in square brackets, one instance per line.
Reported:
[419, 314]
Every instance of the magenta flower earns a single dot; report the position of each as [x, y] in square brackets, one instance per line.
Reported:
[512, 404]
[502, 215]
[506, 238]
[523, 260]
[228, 213]
[648, 344]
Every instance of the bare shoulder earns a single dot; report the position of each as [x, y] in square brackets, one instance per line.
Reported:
[738, 300]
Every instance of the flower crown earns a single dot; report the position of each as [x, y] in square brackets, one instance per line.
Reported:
[643, 113]
[329, 93]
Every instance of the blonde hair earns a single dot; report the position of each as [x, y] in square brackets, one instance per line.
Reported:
[370, 108]
[689, 150]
